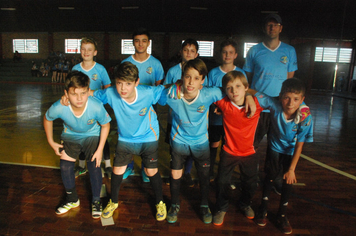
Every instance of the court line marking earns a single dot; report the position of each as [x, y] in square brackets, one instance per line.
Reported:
[328, 167]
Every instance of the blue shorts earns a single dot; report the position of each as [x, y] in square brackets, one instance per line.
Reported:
[147, 151]
[87, 146]
[199, 152]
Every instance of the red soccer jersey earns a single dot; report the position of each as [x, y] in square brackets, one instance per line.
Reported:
[239, 130]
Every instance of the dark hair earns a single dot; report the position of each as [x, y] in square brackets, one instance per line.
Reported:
[126, 71]
[228, 42]
[196, 64]
[293, 85]
[89, 40]
[76, 79]
[141, 31]
[232, 76]
[190, 41]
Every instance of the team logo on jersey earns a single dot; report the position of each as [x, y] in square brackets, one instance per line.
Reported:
[201, 109]
[295, 128]
[284, 59]
[153, 160]
[143, 111]
[149, 70]
[95, 77]
[90, 122]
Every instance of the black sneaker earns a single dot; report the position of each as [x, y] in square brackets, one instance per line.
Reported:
[80, 171]
[284, 225]
[261, 218]
[206, 214]
[187, 178]
[96, 209]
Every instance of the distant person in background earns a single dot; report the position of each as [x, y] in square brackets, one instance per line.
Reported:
[17, 56]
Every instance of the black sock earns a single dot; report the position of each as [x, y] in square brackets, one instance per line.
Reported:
[116, 181]
[72, 195]
[175, 190]
[156, 183]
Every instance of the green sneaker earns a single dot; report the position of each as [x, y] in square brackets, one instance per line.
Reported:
[172, 213]
[109, 209]
[66, 206]
[80, 171]
[161, 211]
[206, 214]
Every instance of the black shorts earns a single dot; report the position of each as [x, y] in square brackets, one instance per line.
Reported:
[87, 146]
[147, 151]
[276, 163]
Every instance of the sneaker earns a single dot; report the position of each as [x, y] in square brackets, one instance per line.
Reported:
[127, 173]
[109, 209]
[66, 206]
[284, 225]
[261, 218]
[96, 209]
[187, 178]
[172, 215]
[80, 171]
[218, 218]
[249, 213]
[232, 186]
[145, 178]
[161, 211]
[206, 214]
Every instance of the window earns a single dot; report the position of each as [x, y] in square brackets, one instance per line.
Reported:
[25, 45]
[127, 47]
[72, 45]
[328, 54]
[206, 48]
[247, 47]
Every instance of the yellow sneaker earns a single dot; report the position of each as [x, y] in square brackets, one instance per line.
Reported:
[161, 211]
[109, 209]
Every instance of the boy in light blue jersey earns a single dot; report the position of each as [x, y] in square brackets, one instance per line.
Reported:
[150, 73]
[86, 127]
[99, 79]
[138, 131]
[291, 127]
[189, 134]
[228, 49]
[189, 51]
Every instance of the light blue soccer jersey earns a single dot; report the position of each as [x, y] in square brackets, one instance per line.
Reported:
[77, 128]
[270, 67]
[175, 73]
[137, 121]
[215, 79]
[98, 75]
[190, 119]
[149, 71]
[284, 134]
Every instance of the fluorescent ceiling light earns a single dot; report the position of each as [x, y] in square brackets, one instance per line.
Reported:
[129, 8]
[66, 8]
[8, 9]
[199, 8]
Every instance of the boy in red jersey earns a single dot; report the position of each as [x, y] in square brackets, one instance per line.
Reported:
[238, 148]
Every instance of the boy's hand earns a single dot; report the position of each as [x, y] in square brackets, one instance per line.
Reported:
[97, 157]
[64, 100]
[56, 147]
[175, 91]
[217, 111]
[290, 177]
[250, 106]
